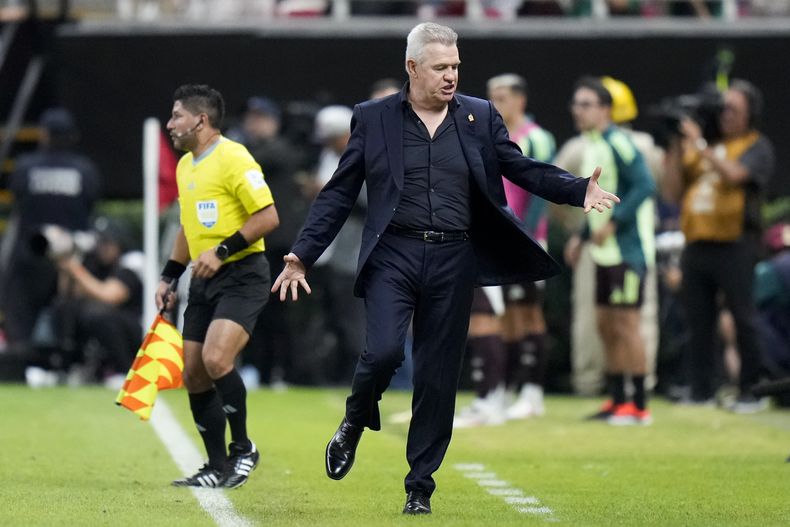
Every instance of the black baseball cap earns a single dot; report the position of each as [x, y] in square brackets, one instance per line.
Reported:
[263, 105]
[58, 122]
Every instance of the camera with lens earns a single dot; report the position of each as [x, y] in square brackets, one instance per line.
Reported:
[704, 107]
[55, 242]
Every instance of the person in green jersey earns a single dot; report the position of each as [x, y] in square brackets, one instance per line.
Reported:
[622, 248]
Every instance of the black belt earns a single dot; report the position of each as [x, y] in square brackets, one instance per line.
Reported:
[430, 236]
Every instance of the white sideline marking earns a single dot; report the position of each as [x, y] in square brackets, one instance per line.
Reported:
[480, 475]
[534, 510]
[505, 492]
[492, 483]
[188, 459]
[511, 495]
[524, 500]
[469, 467]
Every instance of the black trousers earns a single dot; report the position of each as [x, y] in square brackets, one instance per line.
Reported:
[30, 286]
[431, 285]
[710, 268]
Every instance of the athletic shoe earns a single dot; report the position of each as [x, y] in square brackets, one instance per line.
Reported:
[534, 393]
[748, 404]
[643, 417]
[480, 413]
[241, 462]
[623, 415]
[528, 404]
[521, 409]
[603, 414]
[206, 477]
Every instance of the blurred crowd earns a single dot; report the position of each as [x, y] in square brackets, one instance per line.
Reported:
[706, 320]
[495, 9]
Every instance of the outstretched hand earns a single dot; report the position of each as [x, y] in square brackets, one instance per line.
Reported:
[596, 197]
[291, 277]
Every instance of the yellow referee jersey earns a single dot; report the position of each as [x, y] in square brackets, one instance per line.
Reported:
[218, 192]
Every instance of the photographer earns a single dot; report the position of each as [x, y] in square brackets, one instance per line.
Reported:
[100, 304]
[52, 186]
[718, 185]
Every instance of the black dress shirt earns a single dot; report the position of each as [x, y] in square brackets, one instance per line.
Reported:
[436, 193]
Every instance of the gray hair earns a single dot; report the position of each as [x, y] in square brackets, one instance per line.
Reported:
[427, 33]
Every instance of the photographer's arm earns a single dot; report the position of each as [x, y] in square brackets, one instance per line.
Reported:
[672, 182]
[111, 291]
[732, 171]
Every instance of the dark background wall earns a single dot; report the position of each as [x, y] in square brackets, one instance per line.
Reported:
[113, 82]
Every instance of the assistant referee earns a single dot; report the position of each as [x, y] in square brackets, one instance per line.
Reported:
[226, 210]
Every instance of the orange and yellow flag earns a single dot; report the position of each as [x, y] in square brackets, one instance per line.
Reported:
[158, 365]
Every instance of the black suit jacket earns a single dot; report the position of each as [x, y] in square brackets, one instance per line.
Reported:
[505, 251]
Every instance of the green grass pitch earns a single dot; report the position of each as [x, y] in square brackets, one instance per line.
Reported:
[71, 457]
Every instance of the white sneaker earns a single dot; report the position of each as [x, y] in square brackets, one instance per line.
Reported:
[40, 378]
[748, 404]
[470, 416]
[480, 413]
[528, 404]
[521, 409]
[535, 397]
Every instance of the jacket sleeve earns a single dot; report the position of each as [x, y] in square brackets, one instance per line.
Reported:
[543, 179]
[336, 199]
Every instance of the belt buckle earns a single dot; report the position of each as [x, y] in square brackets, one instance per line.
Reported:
[432, 236]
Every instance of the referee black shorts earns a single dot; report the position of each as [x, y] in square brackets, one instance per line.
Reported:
[238, 292]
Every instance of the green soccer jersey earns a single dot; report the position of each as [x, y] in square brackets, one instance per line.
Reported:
[624, 173]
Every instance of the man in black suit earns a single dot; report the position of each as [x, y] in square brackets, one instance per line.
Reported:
[437, 226]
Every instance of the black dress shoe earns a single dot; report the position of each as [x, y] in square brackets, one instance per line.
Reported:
[341, 449]
[417, 503]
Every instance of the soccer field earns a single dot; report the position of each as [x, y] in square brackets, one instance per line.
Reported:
[71, 457]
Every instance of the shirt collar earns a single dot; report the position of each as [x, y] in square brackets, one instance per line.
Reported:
[403, 98]
[204, 155]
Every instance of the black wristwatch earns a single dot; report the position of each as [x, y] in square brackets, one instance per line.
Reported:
[222, 251]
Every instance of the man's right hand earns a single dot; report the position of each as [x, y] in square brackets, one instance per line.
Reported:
[291, 277]
[162, 291]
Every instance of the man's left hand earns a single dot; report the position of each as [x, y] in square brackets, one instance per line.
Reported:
[596, 197]
[206, 265]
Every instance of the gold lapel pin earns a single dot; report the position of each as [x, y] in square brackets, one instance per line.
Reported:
[471, 118]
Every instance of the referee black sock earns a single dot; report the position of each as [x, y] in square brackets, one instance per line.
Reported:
[234, 403]
[210, 421]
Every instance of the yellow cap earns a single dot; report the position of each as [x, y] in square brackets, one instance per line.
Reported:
[623, 102]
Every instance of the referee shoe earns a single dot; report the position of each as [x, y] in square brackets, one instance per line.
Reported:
[206, 477]
[241, 462]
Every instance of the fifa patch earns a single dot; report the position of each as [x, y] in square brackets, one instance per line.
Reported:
[255, 177]
[207, 212]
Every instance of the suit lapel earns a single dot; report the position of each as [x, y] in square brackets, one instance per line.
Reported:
[465, 126]
[392, 121]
